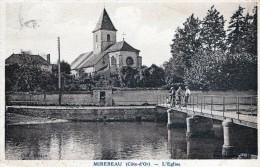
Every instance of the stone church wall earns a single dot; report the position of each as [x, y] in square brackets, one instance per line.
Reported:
[102, 42]
[125, 55]
[101, 63]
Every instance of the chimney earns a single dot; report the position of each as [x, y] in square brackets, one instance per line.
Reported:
[48, 58]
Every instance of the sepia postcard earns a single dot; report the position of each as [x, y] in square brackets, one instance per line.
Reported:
[125, 83]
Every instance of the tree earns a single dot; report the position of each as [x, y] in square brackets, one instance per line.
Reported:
[64, 68]
[213, 34]
[240, 69]
[174, 72]
[200, 59]
[187, 41]
[128, 77]
[236, 37]
[29, 78]
[186, 44]
[153, 76]
[252, 49]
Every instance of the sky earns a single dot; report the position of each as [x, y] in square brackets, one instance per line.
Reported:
[149, 25]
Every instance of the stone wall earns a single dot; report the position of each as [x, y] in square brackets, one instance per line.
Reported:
[49, 99]
[116, 97]
[137, 97]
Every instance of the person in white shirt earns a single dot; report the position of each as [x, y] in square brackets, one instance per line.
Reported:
[178, 96]
[187, 95]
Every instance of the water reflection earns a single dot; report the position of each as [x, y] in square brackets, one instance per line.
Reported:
[87, 141]
[177, 143]
[119, 140]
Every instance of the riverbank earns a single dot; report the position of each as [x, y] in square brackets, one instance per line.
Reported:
[53, 114]
[18, 119]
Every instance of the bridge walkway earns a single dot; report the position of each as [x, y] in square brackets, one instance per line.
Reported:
[242, 110]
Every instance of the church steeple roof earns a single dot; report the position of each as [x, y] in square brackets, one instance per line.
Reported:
[104, 23]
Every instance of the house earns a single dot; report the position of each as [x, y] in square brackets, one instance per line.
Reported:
[25, 58]
[108, 54]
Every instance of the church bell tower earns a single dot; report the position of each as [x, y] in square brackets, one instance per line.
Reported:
[104, 34]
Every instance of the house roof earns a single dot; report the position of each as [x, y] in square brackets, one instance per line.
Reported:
[81, 60]
[26, 59]
[104, 23]
[118, 46]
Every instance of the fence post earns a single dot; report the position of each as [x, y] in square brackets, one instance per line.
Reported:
[204, 102]
[167, 99]
[224, 107]
[197, 101]
[193, 103]
[238, 108]
[201, 105]
[211, 102]
[164, 99]
[44, 97]
[251, 109]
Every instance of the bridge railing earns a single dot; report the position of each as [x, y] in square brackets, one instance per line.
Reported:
[240, 105]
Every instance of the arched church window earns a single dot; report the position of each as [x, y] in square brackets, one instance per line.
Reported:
[113, 60]
[129, 61]
[108, 37]
[96, 38]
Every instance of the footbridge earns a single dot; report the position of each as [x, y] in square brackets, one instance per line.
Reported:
[199, 112]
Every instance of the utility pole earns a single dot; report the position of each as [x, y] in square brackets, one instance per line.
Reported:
[59, 84]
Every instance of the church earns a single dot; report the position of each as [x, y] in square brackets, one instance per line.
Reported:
[108, 55]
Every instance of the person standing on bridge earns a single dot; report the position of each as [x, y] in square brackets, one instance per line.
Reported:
[187, 95]
[172, 95]
[178, 94]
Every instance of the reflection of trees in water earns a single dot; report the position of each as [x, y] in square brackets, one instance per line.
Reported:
[116, 140]
[92, 140]
[27, 140]
[246, 140]
[124, 140]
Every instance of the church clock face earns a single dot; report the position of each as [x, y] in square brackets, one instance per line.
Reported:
[129, 61]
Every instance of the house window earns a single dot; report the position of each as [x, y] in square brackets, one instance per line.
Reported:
[113, 60]
[108, 37]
